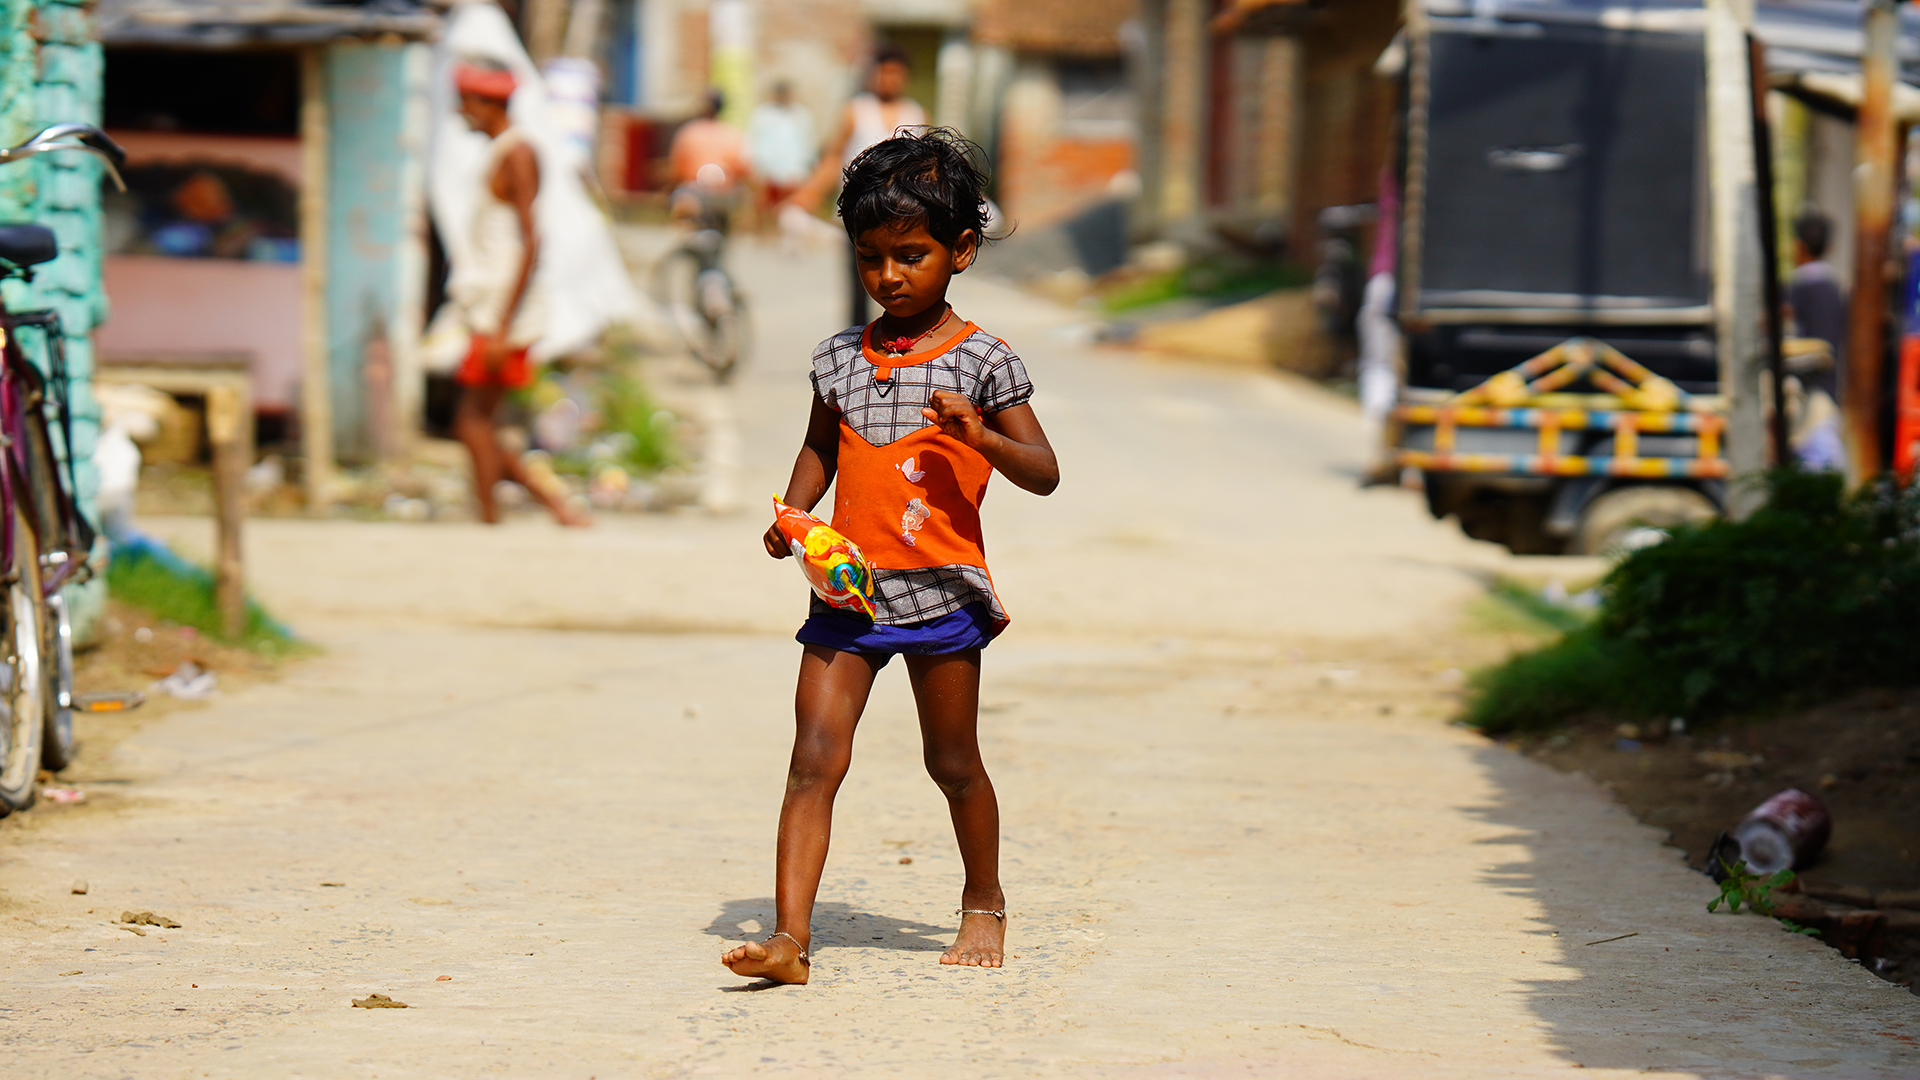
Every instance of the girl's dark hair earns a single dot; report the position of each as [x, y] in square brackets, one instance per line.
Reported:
[931, 176]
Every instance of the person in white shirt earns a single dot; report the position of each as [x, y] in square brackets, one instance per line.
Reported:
[782, 144]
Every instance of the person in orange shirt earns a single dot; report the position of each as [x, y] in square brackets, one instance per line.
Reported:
[912, 415]
[708, 140]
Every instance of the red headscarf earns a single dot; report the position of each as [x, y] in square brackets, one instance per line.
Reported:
[495, 83]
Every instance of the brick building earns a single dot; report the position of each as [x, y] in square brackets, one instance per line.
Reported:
[1064, 124]
[1258, 114]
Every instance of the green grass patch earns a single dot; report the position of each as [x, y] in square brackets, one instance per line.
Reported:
[1224, 280]
[183, 593]
[1810, 597]
[1512, 607]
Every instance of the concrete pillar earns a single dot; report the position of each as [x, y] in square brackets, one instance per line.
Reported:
[1183, 119]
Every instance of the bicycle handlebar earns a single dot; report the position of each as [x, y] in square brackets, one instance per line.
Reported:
[72, 137]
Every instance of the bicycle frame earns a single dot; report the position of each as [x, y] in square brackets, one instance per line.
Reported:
[65, 536]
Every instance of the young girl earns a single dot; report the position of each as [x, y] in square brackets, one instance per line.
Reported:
[912, 414]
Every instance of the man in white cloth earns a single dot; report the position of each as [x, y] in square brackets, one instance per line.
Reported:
[495, 291]
[869, 118]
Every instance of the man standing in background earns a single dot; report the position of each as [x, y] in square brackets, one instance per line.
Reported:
[1819, 310]
[869, 118]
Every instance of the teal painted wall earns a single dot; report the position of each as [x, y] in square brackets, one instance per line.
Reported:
[367, 210]
[50, 71]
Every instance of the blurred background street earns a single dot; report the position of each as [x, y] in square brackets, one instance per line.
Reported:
[1487, 434]
[1240, 836]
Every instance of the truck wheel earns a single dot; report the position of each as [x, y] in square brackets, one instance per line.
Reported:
[1626, 518]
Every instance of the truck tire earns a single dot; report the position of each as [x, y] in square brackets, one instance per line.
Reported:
[1615, 523]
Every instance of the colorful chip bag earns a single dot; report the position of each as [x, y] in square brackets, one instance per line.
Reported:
[833, 564]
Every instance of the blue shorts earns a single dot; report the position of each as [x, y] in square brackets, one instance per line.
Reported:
[960, 631]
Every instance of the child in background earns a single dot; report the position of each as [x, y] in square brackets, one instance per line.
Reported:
[911, 415]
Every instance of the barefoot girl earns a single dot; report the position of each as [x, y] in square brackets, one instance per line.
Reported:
[911, 414]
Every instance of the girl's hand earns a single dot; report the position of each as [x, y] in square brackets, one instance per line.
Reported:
[956, 416]
[776, 542]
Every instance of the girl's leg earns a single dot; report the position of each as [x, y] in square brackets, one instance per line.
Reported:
[947, 690]
[833, 691]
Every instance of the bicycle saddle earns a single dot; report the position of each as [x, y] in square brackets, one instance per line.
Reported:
[24, 244]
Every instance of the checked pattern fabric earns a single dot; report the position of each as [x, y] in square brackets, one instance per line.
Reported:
[991, 376]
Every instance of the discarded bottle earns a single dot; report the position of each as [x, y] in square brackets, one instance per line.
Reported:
[1788, 830]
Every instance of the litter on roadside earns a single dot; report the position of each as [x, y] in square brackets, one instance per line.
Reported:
[189, 682]
[147, 918]
[63, 795]
[1787, 831]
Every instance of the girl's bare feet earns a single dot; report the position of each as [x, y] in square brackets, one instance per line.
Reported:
[779, 958]
[982, 940]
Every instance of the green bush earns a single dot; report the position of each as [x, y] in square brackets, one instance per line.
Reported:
[1812, 595]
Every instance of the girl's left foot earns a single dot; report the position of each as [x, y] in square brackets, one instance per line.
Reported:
[779, 958]
[982, 940]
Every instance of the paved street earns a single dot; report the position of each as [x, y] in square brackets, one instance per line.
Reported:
[1241, 838]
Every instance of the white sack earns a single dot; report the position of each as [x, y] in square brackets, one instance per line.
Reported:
[587, 286]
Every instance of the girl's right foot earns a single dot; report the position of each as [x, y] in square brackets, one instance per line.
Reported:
[779, 958]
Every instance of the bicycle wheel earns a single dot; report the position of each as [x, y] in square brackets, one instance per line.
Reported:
[705, 307]
[729, 334]
[56, 742]
[677, 283]
[22, 707]
[53, 509]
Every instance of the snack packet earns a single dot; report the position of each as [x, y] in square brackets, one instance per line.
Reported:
[833, 564]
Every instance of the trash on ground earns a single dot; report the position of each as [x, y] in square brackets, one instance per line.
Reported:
[378, 1001]
[63, 795]
[189, 682]
[1786, 831]
[124, 701]
[79, 887]
[147, 918]
[443, 978]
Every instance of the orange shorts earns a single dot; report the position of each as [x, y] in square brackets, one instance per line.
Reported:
[515, 371]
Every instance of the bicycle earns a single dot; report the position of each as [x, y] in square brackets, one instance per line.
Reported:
[692, 281]
[45, 541]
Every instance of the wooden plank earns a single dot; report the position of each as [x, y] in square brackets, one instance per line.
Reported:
[316, 394]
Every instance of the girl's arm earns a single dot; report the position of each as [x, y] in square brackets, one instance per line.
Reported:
[813, 470]
[1011, 440]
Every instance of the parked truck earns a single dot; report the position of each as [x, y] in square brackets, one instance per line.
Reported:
[1555, 284]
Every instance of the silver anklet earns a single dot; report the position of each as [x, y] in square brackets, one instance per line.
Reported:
[1001, 914]
[795, 940]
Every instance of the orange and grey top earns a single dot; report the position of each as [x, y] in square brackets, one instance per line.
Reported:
[908, 494]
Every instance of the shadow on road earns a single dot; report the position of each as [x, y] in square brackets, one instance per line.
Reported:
[1662, 987]
[835, 924]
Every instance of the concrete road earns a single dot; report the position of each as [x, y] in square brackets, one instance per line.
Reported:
[530, 791]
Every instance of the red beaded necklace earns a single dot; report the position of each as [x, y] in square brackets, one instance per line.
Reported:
[900, 346]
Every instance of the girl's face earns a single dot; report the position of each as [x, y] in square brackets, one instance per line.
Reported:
[906, 271]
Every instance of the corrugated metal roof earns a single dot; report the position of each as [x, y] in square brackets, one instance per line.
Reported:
[1066, 27]
[218, 24]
